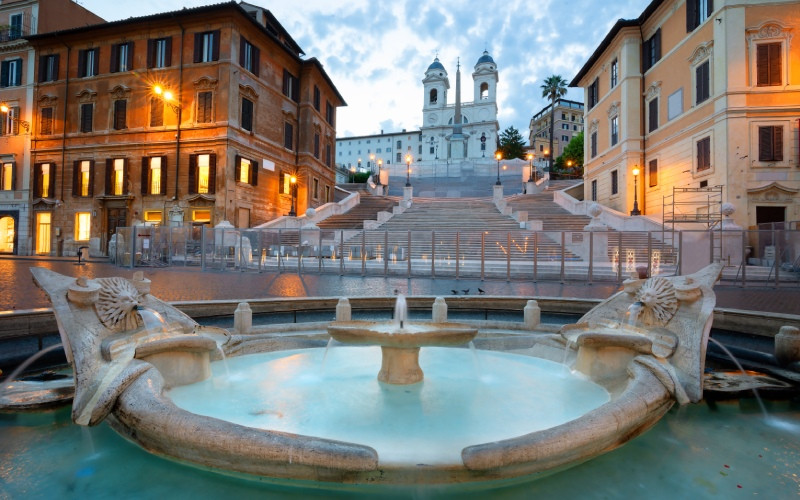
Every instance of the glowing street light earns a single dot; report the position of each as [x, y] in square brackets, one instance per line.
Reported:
[293, 182]
[408, 170]
[498, 156]
[635, 210]
[530, 174]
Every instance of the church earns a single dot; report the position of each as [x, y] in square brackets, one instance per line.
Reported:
[456, 131]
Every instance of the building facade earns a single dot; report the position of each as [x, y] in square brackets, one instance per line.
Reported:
[18, 20]
[568, 123]
[696, 94]
[433, 141]
[193, 117]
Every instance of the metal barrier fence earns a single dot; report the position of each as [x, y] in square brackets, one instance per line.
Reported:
[770, 257]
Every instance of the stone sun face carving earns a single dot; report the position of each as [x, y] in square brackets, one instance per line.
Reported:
[657, 296]
[116, 304]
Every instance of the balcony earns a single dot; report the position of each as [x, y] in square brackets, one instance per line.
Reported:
[11, 33]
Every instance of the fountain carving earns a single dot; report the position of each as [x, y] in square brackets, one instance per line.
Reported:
[125, 368]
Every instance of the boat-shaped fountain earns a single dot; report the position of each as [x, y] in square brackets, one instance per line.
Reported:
[143, 366]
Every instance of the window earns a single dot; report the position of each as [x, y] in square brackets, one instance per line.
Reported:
[44, 180]
[484, 91]
[593, 145]
[201, 216]
[43, 220]
[11, 73]
[328, 155]
[431, 150]
[154, 175]
[202, 173]
[330, 112]
[291, 87]
[116, 176]
[83, 223]
[697, 11]
[652, 173]
[317, 98]
[652, 114]
[702, 82]
[399, 144]
[87, 110]
[563, 116]
[122, 57]
[204, 106]
[315, 189]
[651, 51]
[768, 64]
[675, 104]
[594, 190]
[156, 112]
[565, 126]
[15, 22]
[328, 194]
[82, 178]
[564, 138]
[7, 177]
[159, 52]
[247, 114]
[614, 74]
[206, 46]
[120, 114]
[614, 182]
[249, 56]
[288, 135]
[704, 154]
[770, 143]
[153, 216]
[246, 171]
[285, 186]
[594, 95]
[46, 121]
[316, 146]
[48, 68]
[614, 130]
[399, 157]
[88, 63]
[10, 125]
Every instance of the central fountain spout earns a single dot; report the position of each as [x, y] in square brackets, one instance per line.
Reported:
[400, 310]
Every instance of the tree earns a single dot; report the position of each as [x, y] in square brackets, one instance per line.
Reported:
[512, 145]
[573, 156]
[553, 88]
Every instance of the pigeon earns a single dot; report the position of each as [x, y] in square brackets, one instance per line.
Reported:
[455, 292]
[480, 291]
[395, 291]
[466, 291]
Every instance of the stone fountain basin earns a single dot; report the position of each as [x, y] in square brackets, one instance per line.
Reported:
[658, 342]
[146, 415]
[414, 334]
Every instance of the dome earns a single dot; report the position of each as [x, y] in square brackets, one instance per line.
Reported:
[485, 58]
[436, 65]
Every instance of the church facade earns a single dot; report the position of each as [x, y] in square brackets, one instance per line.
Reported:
[440, 138]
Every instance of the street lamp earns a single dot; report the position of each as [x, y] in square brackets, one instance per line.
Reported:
[408, 170]
[498, 156]
[380, 165]
[635, 210]
[530, 174]
[371, 162]
[6, 110]
[168, 98]
[293, 182]
[353, 174]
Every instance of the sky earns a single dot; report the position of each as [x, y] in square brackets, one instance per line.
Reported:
[376, 52]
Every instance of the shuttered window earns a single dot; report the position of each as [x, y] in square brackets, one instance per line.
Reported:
[156, 112]
[206, 46]
[768, 64]
[770, 143]
[652, 117]
[651, 51]
[652, 173]
[697, 11]
[614, 182]
[702, 82]
[594, 145]
[288, 135]
[87, 112]
[704, 154]
[247, 114]
[204, 102]
[120, 114]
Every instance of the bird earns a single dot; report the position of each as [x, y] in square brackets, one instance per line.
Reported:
[466, 291]
[395, 291]
[455, 292]
[480, 291]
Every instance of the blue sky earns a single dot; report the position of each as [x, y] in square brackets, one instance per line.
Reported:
[376, 52]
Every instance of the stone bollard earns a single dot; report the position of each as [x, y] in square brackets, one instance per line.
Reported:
[343, 310]
[243, 318]
[787, 345]
[533, 315]
[439, 312]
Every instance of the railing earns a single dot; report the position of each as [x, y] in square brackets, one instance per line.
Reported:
[750, 257]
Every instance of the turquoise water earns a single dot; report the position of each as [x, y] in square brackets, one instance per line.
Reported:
[467, 397]
[699, 451]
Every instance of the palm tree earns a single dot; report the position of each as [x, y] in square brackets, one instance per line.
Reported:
[553, 88]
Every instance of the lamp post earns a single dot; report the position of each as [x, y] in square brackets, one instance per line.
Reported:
[408, 170]
[380, 166]
[174, 103]
[293, 182]
[371, 162]
[635, 210]
[498, 156]
[353, 174]
[530, 174]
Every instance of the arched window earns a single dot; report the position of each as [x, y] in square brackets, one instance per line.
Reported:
[484, 90]
[434, 96]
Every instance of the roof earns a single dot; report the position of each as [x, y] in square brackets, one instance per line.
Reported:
[618, 26]
[485, 58]
[436, 65]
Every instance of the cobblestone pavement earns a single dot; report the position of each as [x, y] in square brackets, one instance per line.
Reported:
[18, 291]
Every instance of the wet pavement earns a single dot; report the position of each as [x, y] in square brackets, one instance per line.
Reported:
[18, 291]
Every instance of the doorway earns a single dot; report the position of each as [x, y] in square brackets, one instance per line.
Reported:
[770, 215]
[117, 217]
[43, 222]
[8, 234]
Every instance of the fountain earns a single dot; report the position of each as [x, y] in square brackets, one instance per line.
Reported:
[146, 380]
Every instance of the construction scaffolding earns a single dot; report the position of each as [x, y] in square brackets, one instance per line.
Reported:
[699, 206]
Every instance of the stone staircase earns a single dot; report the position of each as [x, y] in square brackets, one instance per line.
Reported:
[367, 209]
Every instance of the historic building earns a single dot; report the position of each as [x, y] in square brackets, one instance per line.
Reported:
[18, 20]
[698, 95]
[452, 129]
[196, 116]
[568, 123]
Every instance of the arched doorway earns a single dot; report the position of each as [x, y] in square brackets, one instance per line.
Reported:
[8, 233]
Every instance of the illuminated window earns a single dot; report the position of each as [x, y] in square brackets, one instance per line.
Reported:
[153, 216]
[44, 181]
[286, 184]
[85, 178]
[201, 215]
[244, 170]
[43, 232]
[202, 173]
[118, 177]
[7, 179]
[83, 221]
[154, 181]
